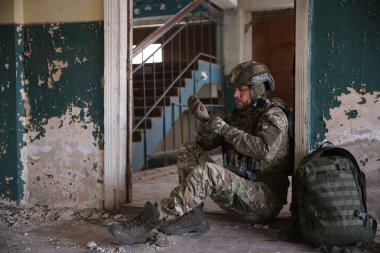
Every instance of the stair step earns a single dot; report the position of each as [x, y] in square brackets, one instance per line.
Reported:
[150, 92]
[158, 67]
[140, 112]
[161, 75]
[149, 101]
[146, 123]
[158, 83]
[136, 136]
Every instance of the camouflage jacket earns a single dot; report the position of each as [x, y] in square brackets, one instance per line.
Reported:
[255, 139]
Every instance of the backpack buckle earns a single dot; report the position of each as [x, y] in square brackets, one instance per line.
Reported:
[360, 214]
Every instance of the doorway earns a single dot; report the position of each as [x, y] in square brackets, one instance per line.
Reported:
[273, 44]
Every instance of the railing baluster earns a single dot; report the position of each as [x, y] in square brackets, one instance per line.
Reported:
[201, 18]
[173, 125]
[180, 51]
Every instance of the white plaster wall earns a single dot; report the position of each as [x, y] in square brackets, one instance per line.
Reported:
[360, 135]
[234, 20]
[64, 167]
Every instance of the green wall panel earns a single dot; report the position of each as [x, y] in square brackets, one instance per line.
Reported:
[344, 52]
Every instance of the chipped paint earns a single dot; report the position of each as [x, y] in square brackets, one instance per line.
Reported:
[60, 166]
[344, 104]
[10, 82]
[59, 78]
[25, 120]
[51, 144]
[8, 179]
[53, 28]
[346, 56]
[363, 122]
[55, 71]
[360, 135]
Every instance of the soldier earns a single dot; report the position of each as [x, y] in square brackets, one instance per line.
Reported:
[252, 183]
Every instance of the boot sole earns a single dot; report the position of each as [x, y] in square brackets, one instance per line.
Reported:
[203, 227]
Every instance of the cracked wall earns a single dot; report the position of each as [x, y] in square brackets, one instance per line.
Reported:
[344, 104]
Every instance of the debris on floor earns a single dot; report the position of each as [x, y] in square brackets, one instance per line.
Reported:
[44, 229]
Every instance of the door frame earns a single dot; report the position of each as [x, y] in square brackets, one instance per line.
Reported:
[118, 96]
[117, 102]
[301, 82]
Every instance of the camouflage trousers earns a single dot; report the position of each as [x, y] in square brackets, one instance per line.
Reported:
[200, 177]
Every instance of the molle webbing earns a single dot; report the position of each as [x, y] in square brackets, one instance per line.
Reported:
[329, 196]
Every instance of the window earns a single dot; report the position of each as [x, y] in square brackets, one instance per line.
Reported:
[147, 52]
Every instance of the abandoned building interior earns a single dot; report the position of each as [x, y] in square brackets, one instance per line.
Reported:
[93, 107]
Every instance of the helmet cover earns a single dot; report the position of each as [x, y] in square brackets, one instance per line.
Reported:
[251, 73]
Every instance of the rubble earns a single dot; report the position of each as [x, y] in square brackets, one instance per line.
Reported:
[23, 222]
[47, 214]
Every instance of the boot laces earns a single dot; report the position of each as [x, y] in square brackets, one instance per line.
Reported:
[133, 222]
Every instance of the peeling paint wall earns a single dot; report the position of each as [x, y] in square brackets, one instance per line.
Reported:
[51, 115]
[63, 122]
[65, 166]
[345, 83]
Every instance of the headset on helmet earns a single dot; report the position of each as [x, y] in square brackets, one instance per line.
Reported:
[251, 73]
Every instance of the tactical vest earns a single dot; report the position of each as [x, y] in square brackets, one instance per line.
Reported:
[274, 172]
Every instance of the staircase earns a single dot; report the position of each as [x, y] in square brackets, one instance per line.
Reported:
[190, 46]
[149, 134]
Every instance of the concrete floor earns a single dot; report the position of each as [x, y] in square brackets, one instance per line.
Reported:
[45, 229]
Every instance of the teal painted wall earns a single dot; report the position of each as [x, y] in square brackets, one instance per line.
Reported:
[64, 68]
[51, 114]
[9, 141]
[344, 52]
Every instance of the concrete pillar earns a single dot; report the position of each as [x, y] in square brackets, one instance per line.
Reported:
[237, 41]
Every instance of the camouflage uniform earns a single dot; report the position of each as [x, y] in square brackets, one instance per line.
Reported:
[255, 140]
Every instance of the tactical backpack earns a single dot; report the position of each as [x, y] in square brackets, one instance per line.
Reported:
[329, 200]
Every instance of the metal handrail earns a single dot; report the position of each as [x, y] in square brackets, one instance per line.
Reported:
[171, 86]
[171, 23]
[171, 32]
[162, 45]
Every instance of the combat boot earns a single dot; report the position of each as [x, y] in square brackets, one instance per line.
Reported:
[137, 229]
[194, 221]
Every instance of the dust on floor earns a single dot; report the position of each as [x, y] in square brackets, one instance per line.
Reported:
[43, 229]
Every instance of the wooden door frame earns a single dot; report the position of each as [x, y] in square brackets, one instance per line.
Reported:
[301, 83]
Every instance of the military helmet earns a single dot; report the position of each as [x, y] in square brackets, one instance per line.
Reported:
[251, 73]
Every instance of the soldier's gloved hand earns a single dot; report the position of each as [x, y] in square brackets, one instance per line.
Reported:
[197, 108]
[215, 125]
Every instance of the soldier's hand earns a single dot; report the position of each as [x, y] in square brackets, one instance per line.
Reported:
[215, 125]
[197, 108]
